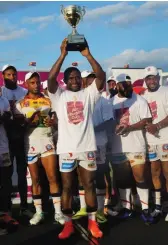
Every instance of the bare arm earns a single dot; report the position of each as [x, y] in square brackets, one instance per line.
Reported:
[52, 83]
[100, 74]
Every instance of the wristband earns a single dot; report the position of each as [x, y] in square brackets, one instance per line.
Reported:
[158, 126]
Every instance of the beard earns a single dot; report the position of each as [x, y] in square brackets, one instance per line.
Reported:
[113, 92]
[10, 84]
[126, 93]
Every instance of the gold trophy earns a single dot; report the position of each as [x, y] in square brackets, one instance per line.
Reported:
[73, 14]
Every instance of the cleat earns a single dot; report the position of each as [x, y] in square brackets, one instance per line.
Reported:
[94, 229]
[37, 219]
[100, 217]
[67, 231]
[125, 213]
[81, 213]
[59, 218]
[146, 217]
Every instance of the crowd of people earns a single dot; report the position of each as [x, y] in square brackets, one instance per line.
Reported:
[108, 143]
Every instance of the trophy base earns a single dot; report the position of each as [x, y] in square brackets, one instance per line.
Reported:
[76, 42]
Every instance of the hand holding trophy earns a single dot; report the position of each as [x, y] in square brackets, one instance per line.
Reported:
[73, 14]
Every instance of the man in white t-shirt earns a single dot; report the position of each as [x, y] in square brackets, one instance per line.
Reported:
[13, 92]
[157, 132]
[131, 113]
[76, 140]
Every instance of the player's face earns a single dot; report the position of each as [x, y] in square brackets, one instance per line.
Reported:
[33, 85]
[152, 82]
[74, 81]
[125, 89]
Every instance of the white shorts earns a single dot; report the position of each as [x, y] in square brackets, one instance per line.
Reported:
[133, 158]
[5, 160]
[37, 148]
[69, 161]
[101, 154]
[158, 152]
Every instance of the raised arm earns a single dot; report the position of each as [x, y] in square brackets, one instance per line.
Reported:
[52, 79]
[100, 74]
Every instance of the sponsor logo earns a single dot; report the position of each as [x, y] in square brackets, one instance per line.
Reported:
[138, 157]
[91, 155]
[165, 156]
[165, 147]
[26, 104]
[92, 165]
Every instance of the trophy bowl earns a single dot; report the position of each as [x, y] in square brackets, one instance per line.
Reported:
[73, 14]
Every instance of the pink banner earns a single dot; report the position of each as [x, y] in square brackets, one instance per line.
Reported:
[43, 75]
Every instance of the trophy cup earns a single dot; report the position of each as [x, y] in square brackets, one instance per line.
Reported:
[73, 14]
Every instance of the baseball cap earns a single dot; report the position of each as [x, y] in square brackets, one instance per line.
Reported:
[45, 84]
[111, 78]
[5, 67]
[86, 73]
[150, 71]
[30, 74]
[122, 78]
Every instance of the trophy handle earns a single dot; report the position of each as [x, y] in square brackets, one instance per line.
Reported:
[62, 9]
[83, 11]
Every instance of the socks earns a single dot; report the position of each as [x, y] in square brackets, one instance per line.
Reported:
[100, 198]
[125, 197]
[56, 198]
[92, 216]
[158, 197]
[37, 203]
[144, 197]
[82, 197]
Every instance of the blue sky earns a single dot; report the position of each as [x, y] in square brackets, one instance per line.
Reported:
[117, 33]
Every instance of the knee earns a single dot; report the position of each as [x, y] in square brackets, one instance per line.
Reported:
[89, 184]
[67, 188]
[52, 179]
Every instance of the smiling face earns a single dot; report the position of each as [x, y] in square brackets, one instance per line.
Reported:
[152, 82]
[74, 81]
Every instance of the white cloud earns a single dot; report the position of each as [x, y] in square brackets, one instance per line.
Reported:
[9, 31]
[42, 21]
[108, 10]
[139, 58]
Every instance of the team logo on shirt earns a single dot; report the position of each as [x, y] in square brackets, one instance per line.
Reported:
[165, 147]
[153, 109]
[75, 111]
[91, 155]
[49, 147]
[32, 148]
[26, 103]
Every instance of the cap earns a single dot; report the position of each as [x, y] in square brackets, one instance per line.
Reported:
[45, 85]
[150, 71]
[86, 73]
[5, 67]
[122, 78]
[111, 78]
[30, 74]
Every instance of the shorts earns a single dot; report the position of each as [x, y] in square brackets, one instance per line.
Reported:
[5, 160]
[101, 154]
[37, 148]
[136, 158]
[158, 152]
[69, 161]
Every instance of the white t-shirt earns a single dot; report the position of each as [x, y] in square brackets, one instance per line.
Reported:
[158, 103]
[4, 106]
[129, 111]
[15, 94]
[103, 112]
[75, 126]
